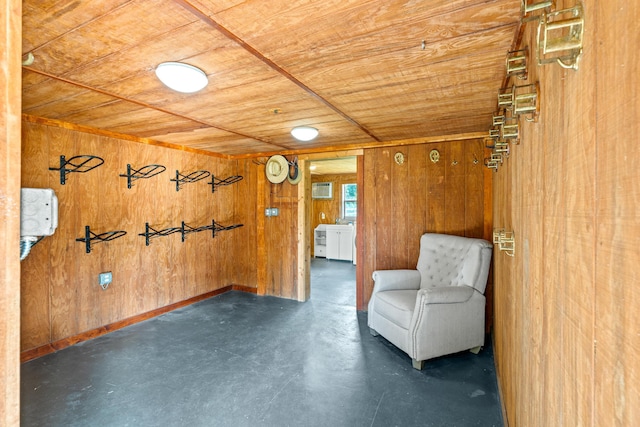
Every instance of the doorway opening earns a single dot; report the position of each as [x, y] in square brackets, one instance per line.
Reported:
[334, 209]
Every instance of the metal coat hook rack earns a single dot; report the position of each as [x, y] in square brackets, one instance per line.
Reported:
[144, 172]
[505, 240]
[521, 101]
[560, 37]
[186, 229]
[78, 164]
[517, 63]
[90, 236]
[502, 148]
[214, 227]
[528, 6]
[494, 160]
[195, 176]
[509, 130]
[215, 182]
[150, 232]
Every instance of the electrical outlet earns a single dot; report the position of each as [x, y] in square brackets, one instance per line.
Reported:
[104, 279]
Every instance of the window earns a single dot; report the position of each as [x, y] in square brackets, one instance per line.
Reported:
[349, 201]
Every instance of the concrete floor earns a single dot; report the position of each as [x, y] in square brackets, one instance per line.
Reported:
[243, 360]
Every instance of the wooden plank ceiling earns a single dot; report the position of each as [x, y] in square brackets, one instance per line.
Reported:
[360, 71]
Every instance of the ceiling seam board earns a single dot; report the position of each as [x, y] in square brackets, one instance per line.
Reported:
[143, 104]
[124, 98]
[224, 31]
[355, 70]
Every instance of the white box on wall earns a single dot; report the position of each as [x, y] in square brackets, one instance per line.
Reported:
[38, 212]
[322, 190]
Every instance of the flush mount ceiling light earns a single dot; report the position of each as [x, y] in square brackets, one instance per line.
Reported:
[304, 133]
[181, 77]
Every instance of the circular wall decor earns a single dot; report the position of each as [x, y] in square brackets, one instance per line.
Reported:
[434, 155]
[399, 158]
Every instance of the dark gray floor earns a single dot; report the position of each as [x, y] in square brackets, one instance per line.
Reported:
[243, 360]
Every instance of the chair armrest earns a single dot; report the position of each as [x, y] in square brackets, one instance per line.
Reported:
[445, 295]
[386, 280]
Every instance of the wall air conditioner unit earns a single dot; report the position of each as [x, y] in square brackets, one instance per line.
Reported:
[322, 190]
[38, 217]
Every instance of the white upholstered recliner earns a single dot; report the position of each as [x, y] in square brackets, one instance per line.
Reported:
[438, 308]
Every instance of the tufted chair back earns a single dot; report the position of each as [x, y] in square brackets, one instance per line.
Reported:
[447, 260]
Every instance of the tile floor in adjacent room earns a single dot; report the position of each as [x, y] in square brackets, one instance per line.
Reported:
[243, 360]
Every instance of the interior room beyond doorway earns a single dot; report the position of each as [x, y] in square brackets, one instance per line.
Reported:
[333, 229]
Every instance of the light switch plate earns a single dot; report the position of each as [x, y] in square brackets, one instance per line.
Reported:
[104, 279]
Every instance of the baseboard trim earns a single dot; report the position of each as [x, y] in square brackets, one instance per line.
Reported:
[505, 420]
[40, 351]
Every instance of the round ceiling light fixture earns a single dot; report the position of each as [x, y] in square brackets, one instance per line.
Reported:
[304, 133]
[181, 77]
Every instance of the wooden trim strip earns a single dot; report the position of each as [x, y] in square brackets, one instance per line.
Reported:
[346, 149]
[381, 144]
[144, 104]
[517, 41]
[360, 306]
[253, 51]
[242, 288]
[95, 131]
[10, 153]
[34, 353]
[505, 419]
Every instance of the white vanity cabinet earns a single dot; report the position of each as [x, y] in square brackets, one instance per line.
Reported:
[339, 242]
[320, 241]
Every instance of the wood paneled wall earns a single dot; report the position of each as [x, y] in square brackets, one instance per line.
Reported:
[279, 238]
[402, 202]
[245, 239]
[567, 337]
[10, 79]
[330, 207]
[60, 292]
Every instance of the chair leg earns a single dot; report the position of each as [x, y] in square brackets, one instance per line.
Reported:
[475, 350]
[417, 364]
[373, 332]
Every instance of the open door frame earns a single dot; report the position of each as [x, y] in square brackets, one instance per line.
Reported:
[360, 306]
[10, 146]
[304, 224]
